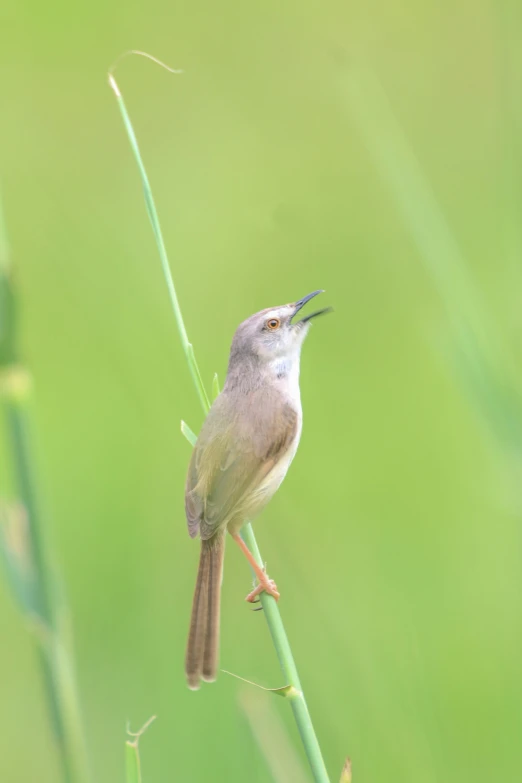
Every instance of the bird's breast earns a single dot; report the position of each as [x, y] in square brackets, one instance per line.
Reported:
[274, 478]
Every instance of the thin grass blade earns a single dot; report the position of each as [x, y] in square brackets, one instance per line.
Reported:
[215, 386]
[132, 754]
[346, 774]
[187, 432]
[132, 762]
[158, 235]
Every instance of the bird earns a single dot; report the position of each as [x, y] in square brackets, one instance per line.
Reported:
[242, 454]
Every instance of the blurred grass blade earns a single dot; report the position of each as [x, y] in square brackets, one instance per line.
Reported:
[478, 356]
[7, 302]
[215, 386]
[132, 754]
[5, 259]
[24, 547]
[196, 375]
[132, 762]
[271, 737]
[15, 555]
[413, 196]
[346, 775]
[187, 432]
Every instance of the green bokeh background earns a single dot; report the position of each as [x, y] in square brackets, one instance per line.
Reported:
[395, 539]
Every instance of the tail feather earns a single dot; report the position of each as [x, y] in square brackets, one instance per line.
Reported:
[201, 660]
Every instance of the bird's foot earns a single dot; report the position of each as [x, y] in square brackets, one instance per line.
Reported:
[265, 585]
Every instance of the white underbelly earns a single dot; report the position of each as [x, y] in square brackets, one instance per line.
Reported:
[273, 479]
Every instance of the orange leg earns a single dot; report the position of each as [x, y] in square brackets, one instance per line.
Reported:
[265, 584]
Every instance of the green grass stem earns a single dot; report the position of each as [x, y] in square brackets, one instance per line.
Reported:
[270, 607]
[132, 754]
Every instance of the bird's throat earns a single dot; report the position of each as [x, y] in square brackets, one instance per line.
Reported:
[285, 374]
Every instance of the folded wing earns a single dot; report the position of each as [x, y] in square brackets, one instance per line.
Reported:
[240, 443]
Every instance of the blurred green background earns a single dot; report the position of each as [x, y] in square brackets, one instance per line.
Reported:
[396, 538]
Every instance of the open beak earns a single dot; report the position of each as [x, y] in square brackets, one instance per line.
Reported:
[301, 303]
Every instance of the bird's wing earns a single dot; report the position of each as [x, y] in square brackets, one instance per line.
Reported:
[229, 462]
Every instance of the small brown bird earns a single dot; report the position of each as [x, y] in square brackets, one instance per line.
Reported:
[242, 454]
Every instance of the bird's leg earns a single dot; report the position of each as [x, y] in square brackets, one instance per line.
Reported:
[265, 584]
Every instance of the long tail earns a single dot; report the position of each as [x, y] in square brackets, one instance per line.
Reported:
[201, 660]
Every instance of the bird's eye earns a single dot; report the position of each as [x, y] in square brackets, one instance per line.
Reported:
[273, 323]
